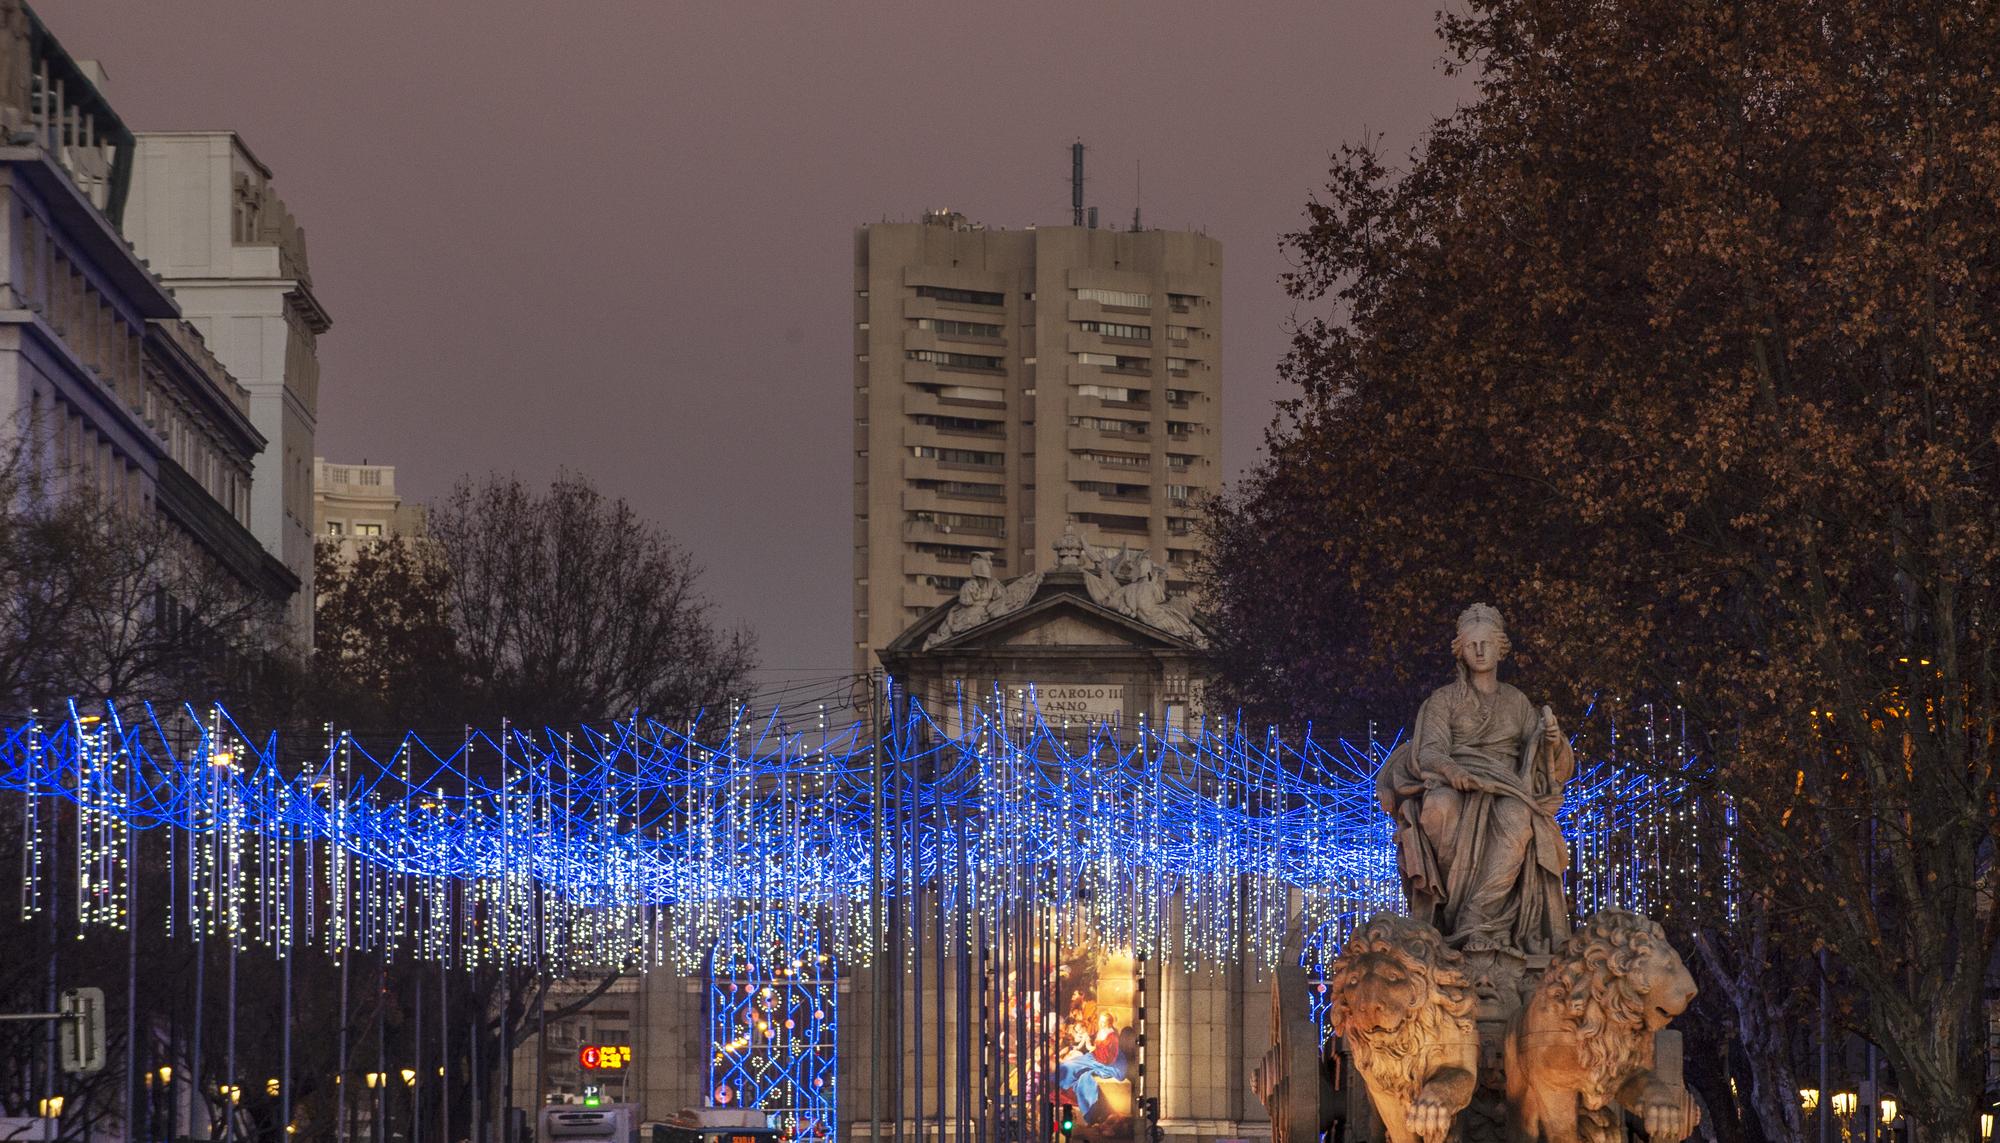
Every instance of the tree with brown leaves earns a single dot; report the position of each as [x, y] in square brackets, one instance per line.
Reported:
[1678, 342]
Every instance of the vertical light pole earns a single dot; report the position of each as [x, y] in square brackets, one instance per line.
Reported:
[444, 1035]
[417, 1054]
[1823, 1124]
[877, 920]
[132, 1127]
[381, 1048]
[343, 1125]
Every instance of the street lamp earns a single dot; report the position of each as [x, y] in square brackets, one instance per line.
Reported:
[1890, 1109]
[1808, 1099]
[409, 1077]
[1843, 1104]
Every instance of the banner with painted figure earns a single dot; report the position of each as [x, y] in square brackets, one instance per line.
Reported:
[1096, 1041]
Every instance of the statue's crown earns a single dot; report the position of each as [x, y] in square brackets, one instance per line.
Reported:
[1481, 613]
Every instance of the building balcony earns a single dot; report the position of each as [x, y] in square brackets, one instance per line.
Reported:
[1080, 405]
[915, 435]
[1089, 468]
[1085, 341]
[956, 386]
[1080, 437]
[1107, 503]
[916, 562]
[975, 535]
[922, 402]
[930, 468]
[1124, 525]
[942, 500]
[916, 307]
[921, 594]
[1081, 310]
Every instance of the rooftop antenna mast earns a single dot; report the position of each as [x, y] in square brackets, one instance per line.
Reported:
[1138, 193]
[1076, 183]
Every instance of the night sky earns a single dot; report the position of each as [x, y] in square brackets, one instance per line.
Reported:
[617, 236]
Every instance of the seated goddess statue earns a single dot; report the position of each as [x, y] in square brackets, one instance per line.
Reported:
[1474, 792]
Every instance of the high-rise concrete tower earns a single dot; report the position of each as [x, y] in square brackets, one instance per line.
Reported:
[1009, 382]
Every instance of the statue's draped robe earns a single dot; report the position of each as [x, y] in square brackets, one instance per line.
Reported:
[1467, 881]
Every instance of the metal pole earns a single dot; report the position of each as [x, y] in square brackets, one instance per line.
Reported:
[285, 1015]
[1822, 1117]
[504, 1058]
[877, 919]
[342, 1124]
[542, 1055]
[381, 1131]
[50, 1071]
[229, 1048]
[417, 1054]
[198, 1124]
[132, 1129]
[478, 1078]
[913, 809]
[444, 1044]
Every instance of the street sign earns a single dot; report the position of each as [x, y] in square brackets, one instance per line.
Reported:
[82, 1033]
[604, 1057]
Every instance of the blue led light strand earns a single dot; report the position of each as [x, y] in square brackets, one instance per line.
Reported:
[645, 844]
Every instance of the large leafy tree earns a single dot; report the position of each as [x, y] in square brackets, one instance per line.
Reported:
[1678, 342]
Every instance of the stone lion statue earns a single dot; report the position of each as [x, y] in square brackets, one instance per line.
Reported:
[1401, 1001]
[1580, 1051]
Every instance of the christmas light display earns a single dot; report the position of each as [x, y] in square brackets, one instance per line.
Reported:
[643, 845]
[773, 1018]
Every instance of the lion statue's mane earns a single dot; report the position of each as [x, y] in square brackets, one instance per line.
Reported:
[1587, 992]
[1394, 1063]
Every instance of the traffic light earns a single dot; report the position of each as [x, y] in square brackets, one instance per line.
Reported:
[1068, 1121]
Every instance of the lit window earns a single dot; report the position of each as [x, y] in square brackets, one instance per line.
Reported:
[368, 529]
[335, 528]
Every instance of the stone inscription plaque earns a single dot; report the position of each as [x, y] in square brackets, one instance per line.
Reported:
[1082, 702]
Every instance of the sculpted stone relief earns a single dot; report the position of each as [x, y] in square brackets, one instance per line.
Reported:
[1125, 581]
[1474, 791]
[1581, 1051]
[1481, 1016]
[1402, 1002]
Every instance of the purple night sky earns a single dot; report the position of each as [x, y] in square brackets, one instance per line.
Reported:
[617, 235]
